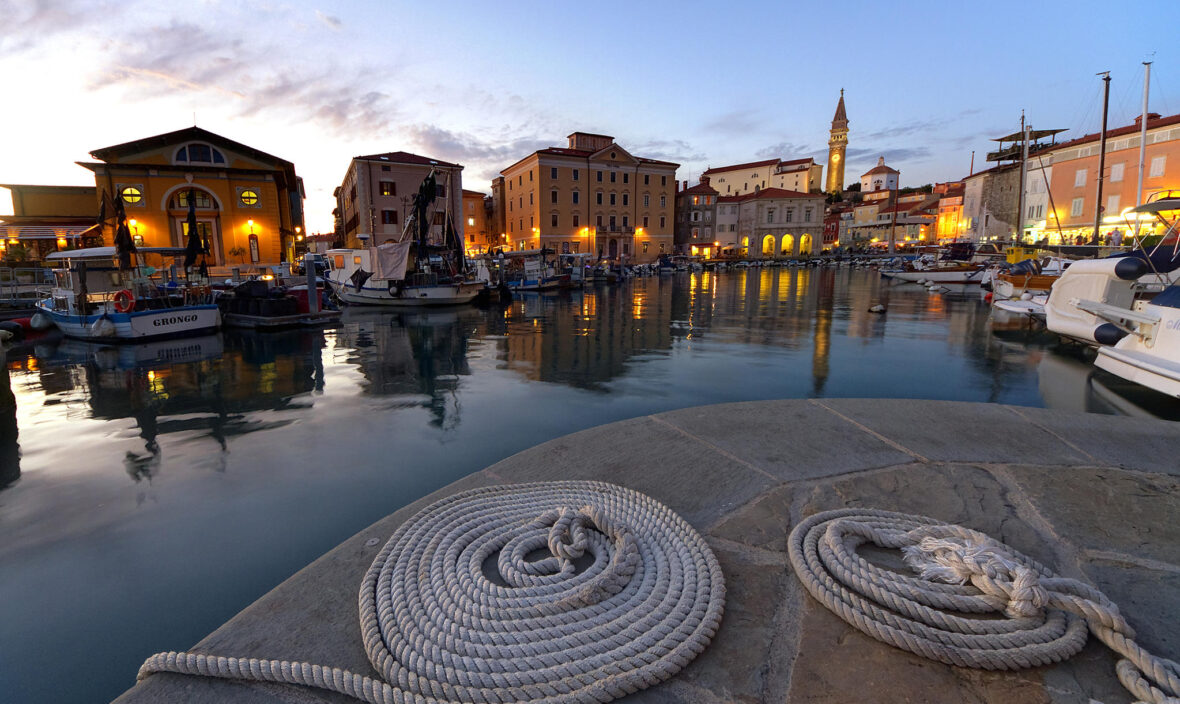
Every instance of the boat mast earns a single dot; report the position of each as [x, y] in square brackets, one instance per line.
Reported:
[1024, 130]
[1142, 144]
[1101, 154]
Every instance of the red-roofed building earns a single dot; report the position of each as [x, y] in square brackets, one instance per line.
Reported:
[590, 196]
[803, 175]
[1073, 185]
[879, 178]
[376, 194]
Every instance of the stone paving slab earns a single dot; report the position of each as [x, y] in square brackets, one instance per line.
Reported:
[1051, 484]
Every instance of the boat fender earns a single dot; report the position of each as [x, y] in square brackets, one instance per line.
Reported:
[103, 327]
[1130, 268]
[1108, 334]
[877, 309]
[13, 328]
[40, 321]
[1026, 296]
[987, 298]
[396, 287]
[124, 301]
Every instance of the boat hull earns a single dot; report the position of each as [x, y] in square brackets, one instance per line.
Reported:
[1152, 371]
[144, 325]
[957, 276]
[411, 296]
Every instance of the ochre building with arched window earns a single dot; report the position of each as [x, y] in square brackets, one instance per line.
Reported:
[249, 203]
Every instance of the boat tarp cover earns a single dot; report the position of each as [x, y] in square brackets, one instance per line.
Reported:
[390, 260]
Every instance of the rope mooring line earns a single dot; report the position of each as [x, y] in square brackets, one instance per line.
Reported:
[961, 571]
[438, 629]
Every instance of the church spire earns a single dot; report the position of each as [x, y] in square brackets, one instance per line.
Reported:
[840, 121]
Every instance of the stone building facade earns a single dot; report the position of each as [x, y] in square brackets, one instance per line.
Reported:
[377, 193]
[695, 221]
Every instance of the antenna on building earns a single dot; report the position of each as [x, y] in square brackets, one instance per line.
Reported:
[194, 118]
[971, 170]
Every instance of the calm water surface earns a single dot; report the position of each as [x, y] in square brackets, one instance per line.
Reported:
[148, 493]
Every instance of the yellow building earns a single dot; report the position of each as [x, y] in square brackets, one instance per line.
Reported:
[593, 196]
[46, 219]
[249, 204]
[477, 223]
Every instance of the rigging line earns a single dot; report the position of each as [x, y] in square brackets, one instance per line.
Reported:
[1157, 89]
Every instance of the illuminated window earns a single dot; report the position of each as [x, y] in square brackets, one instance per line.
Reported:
[646, 243]
[201, 198]
[248, 197]
[388, 188]
[470, 222]
[132, 195]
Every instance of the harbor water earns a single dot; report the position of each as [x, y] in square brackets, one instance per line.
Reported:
[150, 492]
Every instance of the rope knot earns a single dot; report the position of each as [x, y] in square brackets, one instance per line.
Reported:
[983, 562]
[567, 535]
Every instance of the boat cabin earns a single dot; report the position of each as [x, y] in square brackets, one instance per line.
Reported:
[90, 281]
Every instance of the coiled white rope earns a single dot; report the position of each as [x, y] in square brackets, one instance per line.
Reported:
[964, 571]
[438, 630]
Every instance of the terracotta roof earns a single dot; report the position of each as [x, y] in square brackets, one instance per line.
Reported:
[995, 169]
[583, 153]
[765, 162]
[769, 193]
[1120, 131]
[701, 189]
[474, 193]
[407, 158]
[881, 170]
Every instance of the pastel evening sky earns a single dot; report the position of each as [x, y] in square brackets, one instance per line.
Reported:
[486, 83]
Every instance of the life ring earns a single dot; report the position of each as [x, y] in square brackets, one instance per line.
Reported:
[124, 301]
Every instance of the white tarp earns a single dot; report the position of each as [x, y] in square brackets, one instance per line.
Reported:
[389, 260]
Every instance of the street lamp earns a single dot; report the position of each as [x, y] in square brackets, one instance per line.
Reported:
[135, 231]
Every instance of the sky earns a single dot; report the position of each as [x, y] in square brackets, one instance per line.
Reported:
[485, 84]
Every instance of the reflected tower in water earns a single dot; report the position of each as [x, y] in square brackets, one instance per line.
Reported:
[822, 343]
[9, 447]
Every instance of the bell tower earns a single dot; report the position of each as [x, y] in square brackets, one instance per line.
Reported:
[837, 144]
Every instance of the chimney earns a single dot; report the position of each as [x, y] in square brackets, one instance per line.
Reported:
[1150, 116]
[704, 180]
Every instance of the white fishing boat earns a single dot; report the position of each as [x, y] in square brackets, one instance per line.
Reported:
[410, 272]
[93, 298]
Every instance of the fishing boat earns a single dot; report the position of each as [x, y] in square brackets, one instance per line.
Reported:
[531, 270]
[952, 266]
[411, 271]
[93, 297]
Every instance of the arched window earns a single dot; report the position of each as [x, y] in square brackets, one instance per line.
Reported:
[202, 198]
[788, 245]
[198, 153]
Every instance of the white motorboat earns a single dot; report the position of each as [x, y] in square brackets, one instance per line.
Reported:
[1117, 281]
[529, 270]
[1149, 352]
[92, 298]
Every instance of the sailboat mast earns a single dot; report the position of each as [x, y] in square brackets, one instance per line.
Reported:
[1101, 154]
[1142, 142]
[1023, 179]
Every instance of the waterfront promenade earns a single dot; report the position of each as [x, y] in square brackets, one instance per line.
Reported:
[1093, 497]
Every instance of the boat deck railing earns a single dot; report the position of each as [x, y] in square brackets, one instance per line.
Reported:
[23, 285]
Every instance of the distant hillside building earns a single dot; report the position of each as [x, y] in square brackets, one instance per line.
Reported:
[590, 196]
[800, 175]
[879, 178]
[837, 146]
[377, 193]
[695, 207]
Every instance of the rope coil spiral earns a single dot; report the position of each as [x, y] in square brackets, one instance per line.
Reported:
[964, 571]
[438, 630]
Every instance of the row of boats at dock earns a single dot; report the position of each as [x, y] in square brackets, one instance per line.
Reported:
[1125, 305]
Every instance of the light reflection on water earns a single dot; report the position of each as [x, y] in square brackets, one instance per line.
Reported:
[153, 491]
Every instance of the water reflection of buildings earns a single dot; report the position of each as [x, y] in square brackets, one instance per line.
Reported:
[207, 386]
[587, 337]
[421, 353]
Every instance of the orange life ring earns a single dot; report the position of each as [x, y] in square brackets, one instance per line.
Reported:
[124, 301]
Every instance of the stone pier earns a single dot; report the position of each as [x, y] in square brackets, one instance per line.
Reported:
[1094, 497]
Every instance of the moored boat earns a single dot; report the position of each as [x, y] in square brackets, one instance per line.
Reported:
[94, 298]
